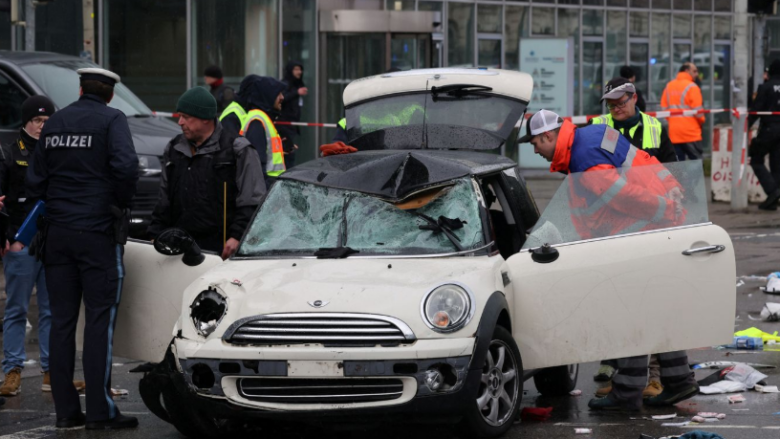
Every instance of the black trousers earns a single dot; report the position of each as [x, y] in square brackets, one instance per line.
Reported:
[84, 265]
[767, 142]
[631, 377]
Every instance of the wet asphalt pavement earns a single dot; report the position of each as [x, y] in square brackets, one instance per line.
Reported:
[756, 237]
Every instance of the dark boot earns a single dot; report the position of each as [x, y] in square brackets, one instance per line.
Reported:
[76, 421]
[771, 201]
[120, 421]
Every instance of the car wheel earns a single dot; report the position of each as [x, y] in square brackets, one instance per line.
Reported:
[500, 388]
[189, 421]
[557, 381]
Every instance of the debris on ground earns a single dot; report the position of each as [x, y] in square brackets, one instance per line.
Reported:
[755, 332]
[734, 399]
[664, 417]
[772, 283]
[771, 312]
[536, 413]
[583, 431]
[721, 364]
[698, 434]
[766, 389]
[723, 387]
[745, 374]
[712, 415]
[575, 392]
[30, 363]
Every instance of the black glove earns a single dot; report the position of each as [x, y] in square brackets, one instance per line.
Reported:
[38, 243]
[121, 224]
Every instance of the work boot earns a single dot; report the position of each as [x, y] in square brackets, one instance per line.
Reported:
[671, 397]
[610, 403]
[46, 386]
[771, 201]
[605, 373]
[654, 388]
[12, 384]
[120, 421]
[604, 391]
[76, 421]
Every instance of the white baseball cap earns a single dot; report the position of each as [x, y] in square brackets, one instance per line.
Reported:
[541, 122]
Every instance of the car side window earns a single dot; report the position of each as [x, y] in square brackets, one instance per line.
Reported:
[507, 229]
[11, 98]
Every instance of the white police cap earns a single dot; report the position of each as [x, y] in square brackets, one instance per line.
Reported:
[97, 74]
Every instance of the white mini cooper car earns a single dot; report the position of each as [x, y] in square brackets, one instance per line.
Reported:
[415, 277]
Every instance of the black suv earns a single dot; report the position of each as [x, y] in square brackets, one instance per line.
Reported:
[23, 74]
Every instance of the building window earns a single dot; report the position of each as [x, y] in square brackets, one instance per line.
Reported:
[543, 21]
[516, 27]
[660, 47]
[639, 24]
[616, 43]
[398, 5]
[460, 33]
[592, 22]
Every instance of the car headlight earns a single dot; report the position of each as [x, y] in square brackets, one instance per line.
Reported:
[149, 165]
[447, 308]
[207, 311]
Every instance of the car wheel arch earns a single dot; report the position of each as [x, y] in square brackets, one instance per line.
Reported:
[495, 313]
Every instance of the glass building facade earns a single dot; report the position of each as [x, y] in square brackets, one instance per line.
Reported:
[161, 47]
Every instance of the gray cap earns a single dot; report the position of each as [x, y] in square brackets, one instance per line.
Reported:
[617, 87]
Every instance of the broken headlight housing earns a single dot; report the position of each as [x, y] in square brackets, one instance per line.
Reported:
[448, 308]
[207, 310]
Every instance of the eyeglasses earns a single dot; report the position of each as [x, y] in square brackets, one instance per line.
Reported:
[37, 121]
[620, 105]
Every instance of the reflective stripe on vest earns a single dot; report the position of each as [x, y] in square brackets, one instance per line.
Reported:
[274, 166]
[236, 109]
[651, 129]
[343, 123]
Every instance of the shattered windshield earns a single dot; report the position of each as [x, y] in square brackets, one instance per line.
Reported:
[611, 202]
[298, 219]
[468, 118]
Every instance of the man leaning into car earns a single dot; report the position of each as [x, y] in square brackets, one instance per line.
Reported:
[633, 192]
[213, 179]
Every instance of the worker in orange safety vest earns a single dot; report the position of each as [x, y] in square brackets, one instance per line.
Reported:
[619, 189]
[682, 93]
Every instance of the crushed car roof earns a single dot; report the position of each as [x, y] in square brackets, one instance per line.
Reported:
[395, 174]
[512, 84]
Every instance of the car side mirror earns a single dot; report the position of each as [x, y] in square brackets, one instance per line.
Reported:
[174, 241]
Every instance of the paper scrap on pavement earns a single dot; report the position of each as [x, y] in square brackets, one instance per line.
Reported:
[119, 392]
[733, 399]
[583, 431]
[722, 364]
[664, 417]
[723, 387]
[675, 424]
[712, 415]
[575, 392]
[766, 389]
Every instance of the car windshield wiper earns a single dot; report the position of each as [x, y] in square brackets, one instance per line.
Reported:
[443, 225]
[341, 251]
[459, 90]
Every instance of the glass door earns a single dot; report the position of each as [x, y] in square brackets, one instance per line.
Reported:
[639, 60]
[592, 76]
[346, 57]
[410, 51]
[489, 52]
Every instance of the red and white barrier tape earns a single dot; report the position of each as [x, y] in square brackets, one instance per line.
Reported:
[577, 120]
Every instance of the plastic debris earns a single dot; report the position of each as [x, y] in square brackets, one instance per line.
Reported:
[575, 392]
[755, 332]
[536, 413]
[722, 364]
[766, 389]
[675, 424]
[118, 364]
[733, 399]
[771, 313]
[723, 387]
[712, 415]
[583, 431]
[698, 434]
[119, 392]
[30, 363]
[698, 419]
[664, 417]
[740, 283]
[742, 373]
[772, 283]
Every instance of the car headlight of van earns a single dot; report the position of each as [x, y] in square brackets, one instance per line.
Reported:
[448, 308]
[207, 310]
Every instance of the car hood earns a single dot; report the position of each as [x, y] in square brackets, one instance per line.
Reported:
[151, 134]
[391, 287]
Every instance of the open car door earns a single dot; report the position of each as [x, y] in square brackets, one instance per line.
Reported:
[665, 287]
[151, 300]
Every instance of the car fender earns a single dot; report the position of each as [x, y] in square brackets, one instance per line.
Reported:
[494, 306]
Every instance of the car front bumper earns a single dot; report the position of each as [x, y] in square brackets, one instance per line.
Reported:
[226, 399]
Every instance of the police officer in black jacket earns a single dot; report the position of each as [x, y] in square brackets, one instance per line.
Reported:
[85, 168]
[768, 139]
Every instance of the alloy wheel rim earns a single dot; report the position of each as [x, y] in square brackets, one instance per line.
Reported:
[498, 389]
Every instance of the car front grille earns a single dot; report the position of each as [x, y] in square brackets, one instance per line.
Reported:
[329, 329]
[145, 201]
[322, 391]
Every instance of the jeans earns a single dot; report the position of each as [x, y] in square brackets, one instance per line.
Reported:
[691, 150]
[22, 272]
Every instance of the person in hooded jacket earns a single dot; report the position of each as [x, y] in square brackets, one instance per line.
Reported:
[768, 140]
[258, 100]
[291, 109]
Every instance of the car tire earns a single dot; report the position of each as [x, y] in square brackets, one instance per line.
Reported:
[557, 381]
[188, 421]
[500, 390]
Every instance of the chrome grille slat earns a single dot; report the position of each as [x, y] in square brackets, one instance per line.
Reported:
[330, 329]
[323, 330]
[313, 390]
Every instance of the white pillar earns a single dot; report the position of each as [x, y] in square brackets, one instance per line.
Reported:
[741, 74]
[29, 29]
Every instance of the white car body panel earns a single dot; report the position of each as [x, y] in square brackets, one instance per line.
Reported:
[624, 296]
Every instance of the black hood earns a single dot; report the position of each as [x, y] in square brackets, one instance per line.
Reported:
[259, 92]
[394, 175]
[774, 68]
[292, 81]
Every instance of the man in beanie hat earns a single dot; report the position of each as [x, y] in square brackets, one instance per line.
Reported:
[203, 164]
[223, 94]
[258, 102]
[22, 271]
[768, 140]
[85, 168]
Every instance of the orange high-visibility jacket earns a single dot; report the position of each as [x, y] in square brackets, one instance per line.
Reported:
[606, 201]
[683, 94]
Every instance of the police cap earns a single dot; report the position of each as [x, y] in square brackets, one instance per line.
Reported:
[97, 74]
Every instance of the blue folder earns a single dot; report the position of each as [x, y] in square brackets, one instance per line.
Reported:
[30, 226]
